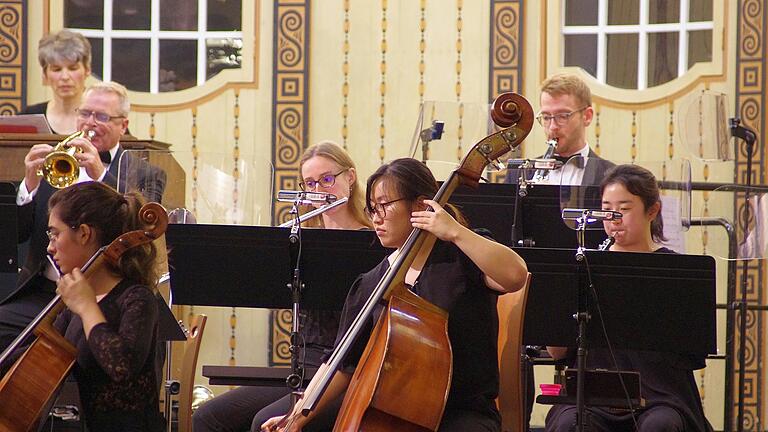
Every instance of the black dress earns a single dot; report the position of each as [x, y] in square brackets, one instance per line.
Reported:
[453, 282]
[666, 381]
[115, 367]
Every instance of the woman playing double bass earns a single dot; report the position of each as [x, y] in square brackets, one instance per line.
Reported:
[462, 274]
[111, 317]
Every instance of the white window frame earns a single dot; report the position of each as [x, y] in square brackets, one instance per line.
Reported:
[154, 35]
[642, 29]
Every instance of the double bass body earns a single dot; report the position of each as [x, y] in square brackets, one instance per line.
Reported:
[408, 355]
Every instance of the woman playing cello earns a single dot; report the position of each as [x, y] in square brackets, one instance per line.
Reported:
[112, 316]
[463, 274]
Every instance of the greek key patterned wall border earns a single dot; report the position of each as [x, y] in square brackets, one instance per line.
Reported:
[750, 106]
[505, 57]
[290, 107]
[13, 56]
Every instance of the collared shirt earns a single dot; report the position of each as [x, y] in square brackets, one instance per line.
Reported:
[24, 197]
[570, 173]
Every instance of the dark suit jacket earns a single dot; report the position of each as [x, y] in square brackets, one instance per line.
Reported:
[33, 217]
[593, 172]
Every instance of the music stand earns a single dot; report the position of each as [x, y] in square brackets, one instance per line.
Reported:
[536, 223]
[653, 302]
[9, 258]
[249, 266]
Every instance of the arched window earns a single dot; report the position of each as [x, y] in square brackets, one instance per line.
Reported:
[159, 46]
[636, 44]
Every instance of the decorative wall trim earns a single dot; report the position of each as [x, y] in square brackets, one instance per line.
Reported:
[750, 107]
[290, 108]
[506, 53]
[290, 90]
[13, 56]
[506, 59]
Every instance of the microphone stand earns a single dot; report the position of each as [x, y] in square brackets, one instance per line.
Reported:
[582, 318]
[749, 137]
[295, 380]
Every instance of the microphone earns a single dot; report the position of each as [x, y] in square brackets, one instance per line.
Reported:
[435, 132]
[591, 215]
[306, 198]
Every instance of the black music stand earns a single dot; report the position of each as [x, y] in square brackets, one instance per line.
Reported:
[654, 302]
[533, 220]
[9, 257]
[249, 266]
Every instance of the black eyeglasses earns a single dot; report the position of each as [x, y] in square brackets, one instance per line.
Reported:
[380, 209]
[326, 181]
[560, 119]
[100, 117]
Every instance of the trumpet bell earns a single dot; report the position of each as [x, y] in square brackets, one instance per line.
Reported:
[60, 168]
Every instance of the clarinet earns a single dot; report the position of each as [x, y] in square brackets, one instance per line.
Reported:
[541, 174]
[607, 243]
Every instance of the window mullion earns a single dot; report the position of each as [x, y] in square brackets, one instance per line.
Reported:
[154, 47]
[602, 22]
[682, 50]
[202, 29]
[642, 47]
[107, 42]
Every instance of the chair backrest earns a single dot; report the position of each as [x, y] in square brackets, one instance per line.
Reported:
[511, 308]
[188, 368]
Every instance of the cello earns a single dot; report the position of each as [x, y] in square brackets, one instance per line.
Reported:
[29, 385]
[403, 378]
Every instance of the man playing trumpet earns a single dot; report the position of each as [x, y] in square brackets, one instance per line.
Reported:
[103, 115]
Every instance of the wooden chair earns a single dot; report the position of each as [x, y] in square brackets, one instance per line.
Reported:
[511, 308]
[188, 368]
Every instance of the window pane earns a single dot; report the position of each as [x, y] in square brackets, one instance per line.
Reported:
[223, 53]
[131, 15]
[581, 50]
[178, 64]
[700, 10]
[224, 15]
[699, 47]
[663, 11]
[662, 58]
[621, 61]
[130, 63]
[97, 57]
[178, 15]
[87, 14]
[581, 12]
[623, 12]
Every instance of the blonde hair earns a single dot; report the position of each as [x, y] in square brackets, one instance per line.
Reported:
[116, 89]
[568, 84]
[356, 204]
[55, 48]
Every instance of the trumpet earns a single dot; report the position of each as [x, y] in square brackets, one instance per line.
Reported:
[60, 167]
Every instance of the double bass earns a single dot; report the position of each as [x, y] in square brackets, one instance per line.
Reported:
[29, 385]
[403, 378]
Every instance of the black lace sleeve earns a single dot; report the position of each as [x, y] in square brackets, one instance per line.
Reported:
[121, 349]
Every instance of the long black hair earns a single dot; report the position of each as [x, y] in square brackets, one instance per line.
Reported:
[639, 182]
[412, 180]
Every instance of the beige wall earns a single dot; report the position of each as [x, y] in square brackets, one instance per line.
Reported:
[170, 117]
